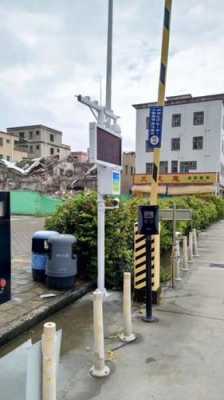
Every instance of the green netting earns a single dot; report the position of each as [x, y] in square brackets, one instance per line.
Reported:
[33, 203]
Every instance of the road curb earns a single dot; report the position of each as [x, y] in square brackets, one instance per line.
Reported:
[37, 315]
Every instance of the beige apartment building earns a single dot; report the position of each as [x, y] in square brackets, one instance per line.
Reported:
[40, 141]
[8, 148]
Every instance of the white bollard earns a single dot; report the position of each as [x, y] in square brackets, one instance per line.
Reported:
[49, 361]
[178, 278]
[190, 247]
[127, 335]
[185, 254]
[99, 369]
[195, 243]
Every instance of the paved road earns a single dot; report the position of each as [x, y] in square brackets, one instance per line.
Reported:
[22, 231]
[181, 357]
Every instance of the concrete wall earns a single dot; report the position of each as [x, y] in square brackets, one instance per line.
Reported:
[208, 159]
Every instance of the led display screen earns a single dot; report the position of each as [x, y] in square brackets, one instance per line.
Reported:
[108, 147]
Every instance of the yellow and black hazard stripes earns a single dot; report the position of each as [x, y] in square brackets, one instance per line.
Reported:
[161, 95]
[140, 260]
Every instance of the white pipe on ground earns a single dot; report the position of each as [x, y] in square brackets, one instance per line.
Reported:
[49, 361]
[195, 243]
[127, 335]
[190, 247]
[99, 369]
[185, 254]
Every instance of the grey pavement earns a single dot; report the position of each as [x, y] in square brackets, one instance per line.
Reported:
[180, 357]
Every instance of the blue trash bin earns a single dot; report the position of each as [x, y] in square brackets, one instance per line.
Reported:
[40, 253]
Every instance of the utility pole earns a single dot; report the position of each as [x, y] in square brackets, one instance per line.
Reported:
[100, 168]
[109, 56]
[107, 121]
[161, 102]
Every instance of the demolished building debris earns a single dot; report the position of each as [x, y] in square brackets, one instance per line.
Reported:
[48, 175]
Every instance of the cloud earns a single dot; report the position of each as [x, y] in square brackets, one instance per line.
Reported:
[52, 50]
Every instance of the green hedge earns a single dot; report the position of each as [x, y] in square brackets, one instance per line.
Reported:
[78, 216]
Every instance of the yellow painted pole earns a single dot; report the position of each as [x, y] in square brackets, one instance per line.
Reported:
[161, 96]
[156, 152]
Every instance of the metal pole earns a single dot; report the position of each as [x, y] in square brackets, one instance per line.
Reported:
[161, 102]
[100, 235]
[109, 55]
[149, 317]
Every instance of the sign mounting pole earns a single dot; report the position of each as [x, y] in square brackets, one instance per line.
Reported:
[161, 102]
[101, 202]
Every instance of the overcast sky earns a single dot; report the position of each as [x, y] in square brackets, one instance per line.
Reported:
[53, 49]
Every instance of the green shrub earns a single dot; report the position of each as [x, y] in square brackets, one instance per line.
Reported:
[78, 216]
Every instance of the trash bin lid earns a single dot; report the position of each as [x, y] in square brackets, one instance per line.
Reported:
[63, 239]
[45, 234]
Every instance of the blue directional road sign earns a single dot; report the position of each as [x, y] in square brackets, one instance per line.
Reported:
[155, 126]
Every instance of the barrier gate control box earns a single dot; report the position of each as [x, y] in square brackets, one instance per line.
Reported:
[5, 248]
[148, 220]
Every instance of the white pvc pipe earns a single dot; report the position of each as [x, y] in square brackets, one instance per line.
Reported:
[100, 234]
[195, 243]
[128, 335]
[99, 369]
[49, 361]
[185, 254]
[178, 277]
[190, 247]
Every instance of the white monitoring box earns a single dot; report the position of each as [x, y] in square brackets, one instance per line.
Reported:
[109, 181]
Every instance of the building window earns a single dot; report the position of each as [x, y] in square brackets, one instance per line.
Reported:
[7, 140]
[198, 118]
[198, 143]
[126, 169]
[187, 166]
[163, 167]
[175, 144]
[51, 151]
[30, 135]
[148, 148]
[176, 120]
[174, 167]
[21, 135]
[149, 168]
[37, 147]
[58, 150]
[1, 141]
[8, 158]
[51, 137]
[37, 133]
[31, 149]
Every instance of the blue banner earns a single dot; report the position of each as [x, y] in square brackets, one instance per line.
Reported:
[155, 126]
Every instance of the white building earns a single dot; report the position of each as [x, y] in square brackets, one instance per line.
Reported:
[193, 136]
